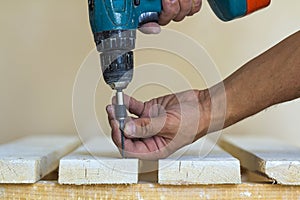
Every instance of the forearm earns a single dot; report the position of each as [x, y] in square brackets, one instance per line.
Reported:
[269, 79]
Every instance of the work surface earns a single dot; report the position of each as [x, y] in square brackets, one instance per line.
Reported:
[52, 190]
[55, 167]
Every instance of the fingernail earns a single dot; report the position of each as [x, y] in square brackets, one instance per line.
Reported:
[130, 128]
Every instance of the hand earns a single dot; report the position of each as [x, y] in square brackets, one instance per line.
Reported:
[163, 125]
[175, 10]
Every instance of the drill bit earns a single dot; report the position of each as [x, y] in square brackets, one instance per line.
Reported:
[121, 114]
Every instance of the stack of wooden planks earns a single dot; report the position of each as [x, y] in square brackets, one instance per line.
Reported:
[98, 164]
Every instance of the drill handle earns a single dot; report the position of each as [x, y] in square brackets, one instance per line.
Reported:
[107, 15]
[227, 10]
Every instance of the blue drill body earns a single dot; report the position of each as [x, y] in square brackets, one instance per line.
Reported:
[114, 24]
[228, 10]
[108, 15]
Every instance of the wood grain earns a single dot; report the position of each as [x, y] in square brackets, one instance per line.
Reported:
[97, 162]
[200, 163]
[52, 190]
[276, 159]
[29, 159]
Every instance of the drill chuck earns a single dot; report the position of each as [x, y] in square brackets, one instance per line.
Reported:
[116, 56]
[117, 68]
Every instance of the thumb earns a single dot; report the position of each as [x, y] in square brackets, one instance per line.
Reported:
[150, 28]
[145, 127]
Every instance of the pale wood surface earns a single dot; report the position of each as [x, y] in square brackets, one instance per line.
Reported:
[200, 163]
[29, 159]
[274, 158]
[97, 162]
[52, 190]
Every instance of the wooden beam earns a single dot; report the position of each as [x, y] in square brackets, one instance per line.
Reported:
[191, 165]
[274, 158]
[29, 159]
[52, 190]
[97, 162]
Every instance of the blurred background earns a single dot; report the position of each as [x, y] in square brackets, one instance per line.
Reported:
[43, 43]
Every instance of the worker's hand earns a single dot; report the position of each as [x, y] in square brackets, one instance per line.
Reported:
[163, 125]
[175, 10]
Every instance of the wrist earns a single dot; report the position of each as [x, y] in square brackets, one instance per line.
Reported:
[204, 107]
[213, 110]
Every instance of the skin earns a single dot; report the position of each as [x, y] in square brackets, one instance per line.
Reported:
[175, 10]
[165, 124]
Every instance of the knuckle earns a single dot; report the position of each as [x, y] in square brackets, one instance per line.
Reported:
[197, 6]
[197, 3]
[171, 7]
[144, 129]
[186, 5]
[196, 9]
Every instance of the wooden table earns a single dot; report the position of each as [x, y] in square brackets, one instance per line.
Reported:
[52, 190]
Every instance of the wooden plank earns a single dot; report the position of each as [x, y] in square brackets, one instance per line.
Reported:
[274, 158]
[218, 167]
[29, 159]
[51, 190]
[97, 162]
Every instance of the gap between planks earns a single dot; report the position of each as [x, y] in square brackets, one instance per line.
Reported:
[99, 162]
[273, 158]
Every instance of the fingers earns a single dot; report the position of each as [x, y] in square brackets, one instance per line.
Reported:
[177, 10]
[170, 10]
[149, 149]
[134, 106]
[185, 9]
[146, 127]
[110, 112]
[196, 6]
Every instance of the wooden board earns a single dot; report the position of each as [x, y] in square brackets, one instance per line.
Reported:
[29, 159]
[51, 190]
[273, 158]
[97, 162]
[194, 167]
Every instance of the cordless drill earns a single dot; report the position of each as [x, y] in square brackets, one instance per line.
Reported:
[114, 24]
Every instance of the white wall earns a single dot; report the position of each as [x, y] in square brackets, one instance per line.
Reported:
[43, 44]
